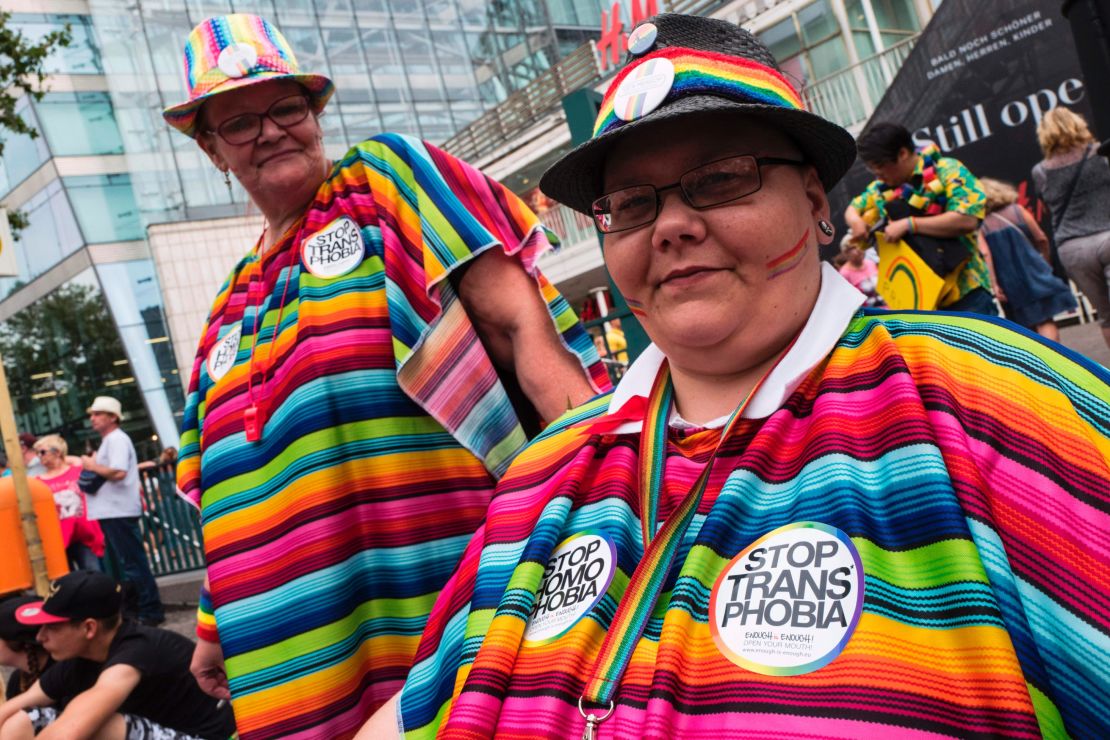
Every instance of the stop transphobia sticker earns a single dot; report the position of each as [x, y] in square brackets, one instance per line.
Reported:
[790, 601]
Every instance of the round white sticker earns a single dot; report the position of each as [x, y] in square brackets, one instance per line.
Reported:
[789, 602]
[237, 60]
[221, 357]
[643, 89]
[576, 578]
[642, 38]
[335, 250]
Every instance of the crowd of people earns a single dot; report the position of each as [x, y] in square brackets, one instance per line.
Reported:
[972, 233]
[426, 512]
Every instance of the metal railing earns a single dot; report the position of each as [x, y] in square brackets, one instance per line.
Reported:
[849, 97]
[170, 527]
[526, 106]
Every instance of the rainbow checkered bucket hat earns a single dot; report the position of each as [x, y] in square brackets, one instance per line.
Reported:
[229, 52]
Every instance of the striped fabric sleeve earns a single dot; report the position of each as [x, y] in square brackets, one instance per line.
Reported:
[1026, 431]
[192, 422]
[449, 213]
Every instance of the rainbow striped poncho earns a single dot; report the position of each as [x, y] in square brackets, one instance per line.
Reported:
[964, 464]
[328, 540]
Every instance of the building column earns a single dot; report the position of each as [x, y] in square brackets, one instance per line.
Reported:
[841, 12]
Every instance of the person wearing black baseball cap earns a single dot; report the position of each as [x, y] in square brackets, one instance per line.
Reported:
[792, 516]
[112, 678]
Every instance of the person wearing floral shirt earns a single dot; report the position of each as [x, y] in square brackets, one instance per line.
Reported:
[944, 201]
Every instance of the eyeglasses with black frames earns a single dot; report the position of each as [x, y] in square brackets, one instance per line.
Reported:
[708, 185]
[246, 127]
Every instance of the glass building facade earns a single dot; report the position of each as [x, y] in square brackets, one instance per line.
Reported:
[85, 314]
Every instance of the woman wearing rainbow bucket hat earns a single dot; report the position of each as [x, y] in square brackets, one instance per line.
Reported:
[793, 517]
[349, 408]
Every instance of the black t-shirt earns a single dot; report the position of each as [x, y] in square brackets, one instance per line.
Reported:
[15, 683]
[167, 693]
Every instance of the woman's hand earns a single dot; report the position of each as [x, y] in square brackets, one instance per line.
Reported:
[208, 669]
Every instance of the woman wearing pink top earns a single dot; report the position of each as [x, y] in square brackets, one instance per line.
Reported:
[83, 539]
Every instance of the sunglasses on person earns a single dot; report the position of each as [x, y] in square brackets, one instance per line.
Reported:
[246, 127]
[706, 186]
[40, 451]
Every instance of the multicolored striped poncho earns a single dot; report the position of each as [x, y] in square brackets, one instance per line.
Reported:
[909, 542]
[386, 425]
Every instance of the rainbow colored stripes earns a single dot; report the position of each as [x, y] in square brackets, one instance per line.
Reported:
[967, 463]
[328, 540]
[789, 259]
[706, 73]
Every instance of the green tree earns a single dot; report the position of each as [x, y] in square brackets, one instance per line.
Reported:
[22, 73]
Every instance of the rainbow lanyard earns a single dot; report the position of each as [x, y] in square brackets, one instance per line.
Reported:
[646, 584]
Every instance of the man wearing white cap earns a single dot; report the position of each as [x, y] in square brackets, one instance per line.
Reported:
[117, 504]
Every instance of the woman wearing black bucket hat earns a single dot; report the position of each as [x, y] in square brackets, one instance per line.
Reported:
[792, 517]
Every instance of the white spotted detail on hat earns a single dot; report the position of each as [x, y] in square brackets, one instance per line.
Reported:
[642, 38]
[643, 89]
[237, 60]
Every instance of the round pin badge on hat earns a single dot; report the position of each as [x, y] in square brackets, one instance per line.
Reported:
[642, 38]
[643, 89]
[237, 60]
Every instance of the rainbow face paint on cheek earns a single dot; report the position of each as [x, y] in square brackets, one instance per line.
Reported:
[635, 307]
[789, 259]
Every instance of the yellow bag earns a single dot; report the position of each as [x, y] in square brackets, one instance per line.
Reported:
[906, 282]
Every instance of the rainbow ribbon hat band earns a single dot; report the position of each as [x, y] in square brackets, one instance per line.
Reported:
[698, 72]
[230, 52]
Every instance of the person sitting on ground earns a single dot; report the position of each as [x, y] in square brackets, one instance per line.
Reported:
[1021, 272]
[921, 192]
[83, 540]
[792, 517]
[113, 678]
[18, 647]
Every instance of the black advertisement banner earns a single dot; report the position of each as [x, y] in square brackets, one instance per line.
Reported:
[977, 83]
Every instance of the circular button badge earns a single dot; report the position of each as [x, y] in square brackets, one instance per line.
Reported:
[577, 575]
[790, 601]
[642, 38]
[237, 60]
[643, 89]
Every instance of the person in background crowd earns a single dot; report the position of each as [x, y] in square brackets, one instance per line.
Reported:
[18, 647]
[1021, 272]
[942, 199]
[860, 271]
[112, 679]
[366, 373]
[1075, 185]
[118, 504]
[792, 518]
[83, 538]
[167, 458]
[30, 458]
[5, 471]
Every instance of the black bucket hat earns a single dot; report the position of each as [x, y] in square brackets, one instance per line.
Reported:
[679, 65]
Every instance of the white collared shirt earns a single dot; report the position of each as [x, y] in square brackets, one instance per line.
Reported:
[837, 302]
